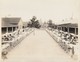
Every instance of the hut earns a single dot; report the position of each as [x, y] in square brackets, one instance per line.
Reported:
[11, 24]
[69, 27]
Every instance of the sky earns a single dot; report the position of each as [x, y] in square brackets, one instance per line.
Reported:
[44, 10]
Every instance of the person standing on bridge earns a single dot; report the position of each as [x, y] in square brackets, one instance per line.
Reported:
[72, 52]
[4, 53]
[34, 32]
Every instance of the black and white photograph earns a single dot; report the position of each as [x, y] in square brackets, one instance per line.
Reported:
[40, 30]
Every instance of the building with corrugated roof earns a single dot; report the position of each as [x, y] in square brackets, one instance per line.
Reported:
[10, 24]
[69, 27]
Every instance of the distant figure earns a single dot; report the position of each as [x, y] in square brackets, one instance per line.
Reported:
[72, 51]
[6, 38]
[4, 54]
[18, 32]
[34, 32]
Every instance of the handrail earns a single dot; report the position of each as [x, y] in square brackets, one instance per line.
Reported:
[64, 44]
[16, 41]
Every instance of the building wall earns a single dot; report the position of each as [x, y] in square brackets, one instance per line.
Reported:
[20, 24]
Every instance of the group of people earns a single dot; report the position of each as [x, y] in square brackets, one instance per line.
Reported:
[68, 37]
[8, 37]
[66, 40]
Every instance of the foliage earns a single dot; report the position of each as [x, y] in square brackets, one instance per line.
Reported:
[50, 23]
[34, 23]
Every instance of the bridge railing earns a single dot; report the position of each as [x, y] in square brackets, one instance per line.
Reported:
[8, 45]
[67, 41]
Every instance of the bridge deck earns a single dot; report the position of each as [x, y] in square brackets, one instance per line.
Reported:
[38, 47]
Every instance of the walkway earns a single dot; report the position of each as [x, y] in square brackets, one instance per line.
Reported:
[38, 47]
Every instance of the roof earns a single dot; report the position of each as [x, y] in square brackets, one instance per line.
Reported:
[10, 22]
[75, 25]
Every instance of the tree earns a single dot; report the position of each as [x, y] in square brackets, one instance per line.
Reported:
[34, 23]
[29, 24]
[50, 23]
[37, 24]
